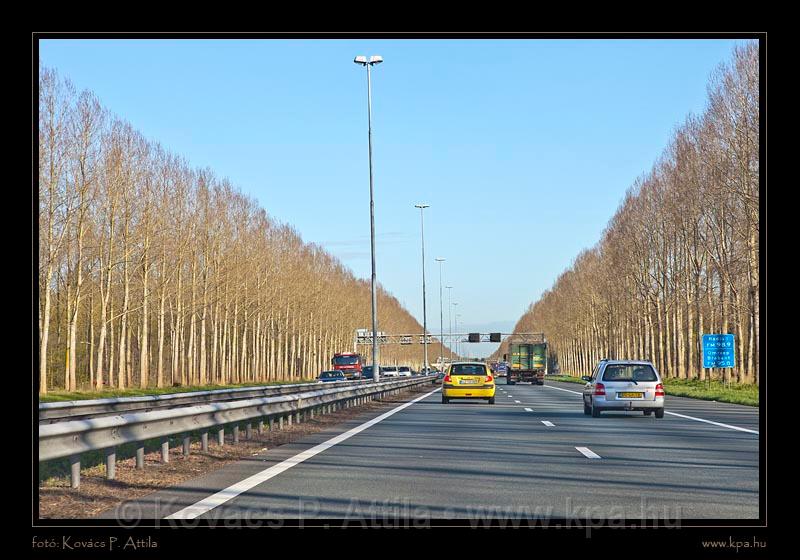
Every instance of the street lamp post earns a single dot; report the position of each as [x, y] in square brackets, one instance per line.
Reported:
[440, 260]
[422, 207]
[455, 303]
[458, 353]
[450, 320]
[362, 60]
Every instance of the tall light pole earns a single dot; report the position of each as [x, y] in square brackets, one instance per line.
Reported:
[422, 208]
[362, 60]
[455, 303]
[458, 353]
[450, 319]
[440, 260]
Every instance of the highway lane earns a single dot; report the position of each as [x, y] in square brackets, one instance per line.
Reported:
[733, 414]
[472, 460]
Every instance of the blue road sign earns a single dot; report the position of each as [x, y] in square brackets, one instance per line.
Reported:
[719, 351]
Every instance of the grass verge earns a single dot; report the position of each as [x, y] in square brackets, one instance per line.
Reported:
[735, 393]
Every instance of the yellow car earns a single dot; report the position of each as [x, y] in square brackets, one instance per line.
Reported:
[468, 380]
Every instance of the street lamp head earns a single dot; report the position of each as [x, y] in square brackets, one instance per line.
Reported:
[439, 259]
[421, 206]
[375, 59]
[360, 59]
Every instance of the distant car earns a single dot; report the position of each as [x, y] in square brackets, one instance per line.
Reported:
[389, 371]
[623, 385]
[334, 375]
[404, 371]
[438, 379]
[468, 380]
[366, 373]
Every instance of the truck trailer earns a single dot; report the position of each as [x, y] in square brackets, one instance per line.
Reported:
[527, 359]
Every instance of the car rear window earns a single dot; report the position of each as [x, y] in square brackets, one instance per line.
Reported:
[629, 372]
[468, 369]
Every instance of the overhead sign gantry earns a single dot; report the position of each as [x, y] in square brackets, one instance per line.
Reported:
[364, 336]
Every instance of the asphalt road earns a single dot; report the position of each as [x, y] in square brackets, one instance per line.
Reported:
[519, 458]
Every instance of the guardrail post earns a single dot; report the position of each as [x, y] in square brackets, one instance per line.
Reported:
[298, 417]
[187, 445]
[111, 463]
[221, 437]
[280, 423]
[204, 441]
[311, 414]
[289, 418]
[74, 471]
[140, 457]
[271, 424]
[165, 450]
[260, 427]
[236, 434]
[248, 431]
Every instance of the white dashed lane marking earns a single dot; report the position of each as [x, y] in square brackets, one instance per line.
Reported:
[588, 453]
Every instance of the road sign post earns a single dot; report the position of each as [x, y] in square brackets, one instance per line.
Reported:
[719, 351]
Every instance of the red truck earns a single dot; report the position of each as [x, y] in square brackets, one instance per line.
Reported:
[349, 363]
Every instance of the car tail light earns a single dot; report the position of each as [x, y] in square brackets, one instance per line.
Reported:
[447, 378]
[660, 390]
[599, 389]
[488, 379]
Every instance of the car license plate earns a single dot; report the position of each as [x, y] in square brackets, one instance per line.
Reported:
[629, 395]
[465, 381]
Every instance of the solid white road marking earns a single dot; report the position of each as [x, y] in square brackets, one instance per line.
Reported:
[588, 453]
[528, 410]
[681, 415]
[560, 389]
[548, 423]
[215, 500]
[712, 422]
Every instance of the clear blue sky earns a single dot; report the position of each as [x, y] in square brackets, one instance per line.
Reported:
[522, 148]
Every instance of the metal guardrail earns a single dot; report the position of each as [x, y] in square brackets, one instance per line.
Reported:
[73, 437]
[74, 410]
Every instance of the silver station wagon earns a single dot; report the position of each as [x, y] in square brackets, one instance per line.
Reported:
[623, 385]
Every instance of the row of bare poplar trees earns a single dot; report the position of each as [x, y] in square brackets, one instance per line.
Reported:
[680, 258]
[155, 273]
